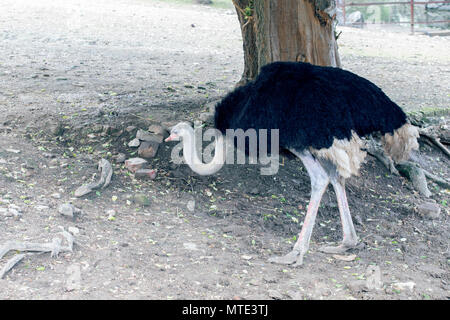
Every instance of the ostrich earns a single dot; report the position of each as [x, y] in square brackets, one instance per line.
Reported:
[321, 114]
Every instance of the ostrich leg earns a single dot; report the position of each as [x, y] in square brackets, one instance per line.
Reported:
[319, 182]
[350, 239]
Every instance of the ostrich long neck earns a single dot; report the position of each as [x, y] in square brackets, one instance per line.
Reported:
[194, 162]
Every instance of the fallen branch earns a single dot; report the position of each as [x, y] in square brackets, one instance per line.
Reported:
[104, 166]
[53, 247]
[11, 263]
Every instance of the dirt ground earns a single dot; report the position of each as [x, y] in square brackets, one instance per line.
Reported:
[75, 74]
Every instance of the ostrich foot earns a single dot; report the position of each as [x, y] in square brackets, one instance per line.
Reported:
[293, 257]
[339, 249]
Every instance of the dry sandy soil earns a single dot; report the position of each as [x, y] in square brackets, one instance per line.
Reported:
[75, 74]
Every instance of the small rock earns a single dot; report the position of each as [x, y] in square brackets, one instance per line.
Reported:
[74, 230]
[373, 278]
[169, 124]
[254, 191]
[120, 157]
[402, 286]
[66, 209]
[49, 155]
[270, 279]
[246, 257]
[41, 207]
[207, 117]
[148, 149]
[14, 212]
[191, 205]
[134, 164]
[429, 210]
[141, 199]
[111, 212]
[134, 143]
[145, 174]
[130, 129]
[56, 195]
[149, 137]
[158, 130]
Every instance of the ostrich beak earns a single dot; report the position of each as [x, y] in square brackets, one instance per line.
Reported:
[172, 137]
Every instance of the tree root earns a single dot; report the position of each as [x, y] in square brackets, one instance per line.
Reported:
[379, 154]
[415, 173]
[441, 182]
[408, 169]
[53, 247]
[435, 141]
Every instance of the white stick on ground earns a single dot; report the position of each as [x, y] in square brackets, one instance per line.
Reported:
[54, 247]
[11, 263]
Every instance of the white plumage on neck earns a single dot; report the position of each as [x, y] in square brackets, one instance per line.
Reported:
[191, 157]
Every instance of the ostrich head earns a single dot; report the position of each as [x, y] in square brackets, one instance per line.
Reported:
[178, 131]
[184, 131]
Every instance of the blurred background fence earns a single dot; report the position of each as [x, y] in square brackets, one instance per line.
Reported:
[427, 13]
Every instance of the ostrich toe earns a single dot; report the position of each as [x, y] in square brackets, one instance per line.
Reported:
[293, 257]
[338, 249]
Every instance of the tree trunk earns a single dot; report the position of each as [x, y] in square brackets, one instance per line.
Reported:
[287, 30]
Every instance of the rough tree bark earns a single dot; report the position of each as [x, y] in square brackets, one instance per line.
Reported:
[287, 30]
